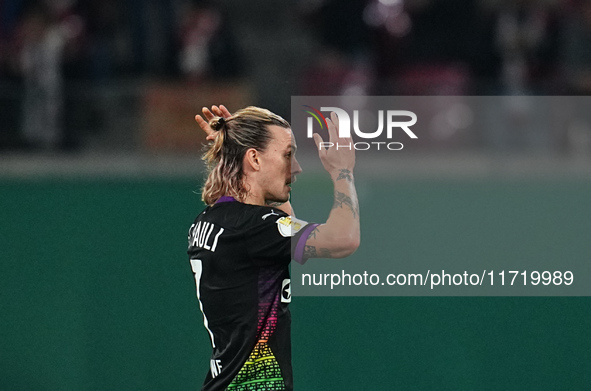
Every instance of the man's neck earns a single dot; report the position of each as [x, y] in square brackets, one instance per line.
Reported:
[253, 199]
[254, 195]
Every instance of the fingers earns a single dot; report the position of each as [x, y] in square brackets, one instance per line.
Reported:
[221, 111]
[334, 154]
[332, 132]
[335, 120]
[318, 140]
[225, 112]
[208, 114]
[217, 111]
[203, 124]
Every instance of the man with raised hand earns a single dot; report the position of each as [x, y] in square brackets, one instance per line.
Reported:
[240, 247]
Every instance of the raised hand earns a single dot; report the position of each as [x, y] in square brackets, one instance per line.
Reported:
[215, 111]
[339, 157]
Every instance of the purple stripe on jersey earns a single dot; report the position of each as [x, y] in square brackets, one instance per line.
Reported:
[225, 199]
[298, 254]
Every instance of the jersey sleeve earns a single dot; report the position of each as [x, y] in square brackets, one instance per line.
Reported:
[277, 238]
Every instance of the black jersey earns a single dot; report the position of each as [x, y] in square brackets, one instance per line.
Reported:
[240, 255]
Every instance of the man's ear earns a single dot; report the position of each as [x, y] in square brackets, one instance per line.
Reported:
[252, 159]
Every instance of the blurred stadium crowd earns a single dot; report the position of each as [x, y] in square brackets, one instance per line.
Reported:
[76, 71]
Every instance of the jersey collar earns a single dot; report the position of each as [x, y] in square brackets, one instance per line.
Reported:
[225, 199]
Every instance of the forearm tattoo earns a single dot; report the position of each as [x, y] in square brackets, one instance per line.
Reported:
[341, 199]
[310, 252]
[345, 174]
[313, 233]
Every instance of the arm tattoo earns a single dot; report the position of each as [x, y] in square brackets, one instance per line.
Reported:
[310, 252]
[345, 174]
[313, 233]
[341, 199]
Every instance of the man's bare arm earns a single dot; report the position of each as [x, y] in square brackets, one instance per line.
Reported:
[340, 235]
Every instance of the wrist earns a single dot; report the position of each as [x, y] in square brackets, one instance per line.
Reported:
[342, 174]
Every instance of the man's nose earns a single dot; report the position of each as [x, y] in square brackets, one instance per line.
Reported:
[295, 167]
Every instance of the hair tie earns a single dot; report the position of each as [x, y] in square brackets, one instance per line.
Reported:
[221, 122]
